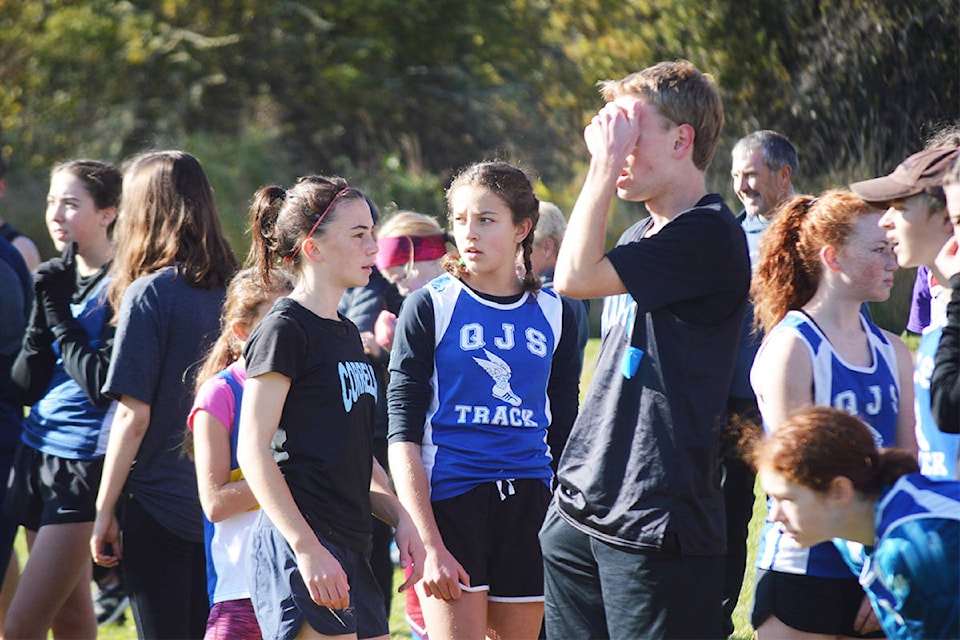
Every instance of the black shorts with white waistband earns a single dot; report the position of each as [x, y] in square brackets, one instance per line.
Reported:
[492, 531]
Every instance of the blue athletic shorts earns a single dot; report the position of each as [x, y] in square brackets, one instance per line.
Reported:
[280, 597]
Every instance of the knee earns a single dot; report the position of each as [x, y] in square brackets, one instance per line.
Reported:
[19, 625]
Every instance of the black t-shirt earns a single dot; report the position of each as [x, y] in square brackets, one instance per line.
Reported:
[642, 459]
[323, 444]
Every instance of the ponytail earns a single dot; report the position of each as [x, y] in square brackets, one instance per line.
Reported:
[281, 219]
[790, 268]
[787, 276]
[265, 251]
[817, 444]
[891, 464]
[246, 295]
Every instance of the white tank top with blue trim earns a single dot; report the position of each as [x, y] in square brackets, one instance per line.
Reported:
[872, 393]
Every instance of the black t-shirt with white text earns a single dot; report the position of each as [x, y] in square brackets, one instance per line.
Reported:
[323, 444]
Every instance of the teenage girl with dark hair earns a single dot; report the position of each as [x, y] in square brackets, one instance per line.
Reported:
[483, 390]
[819, 261]
[306, 423]
[168, 282]
[60, 369]
[826, 480]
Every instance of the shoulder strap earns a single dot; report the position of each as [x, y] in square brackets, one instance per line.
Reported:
[237, 390]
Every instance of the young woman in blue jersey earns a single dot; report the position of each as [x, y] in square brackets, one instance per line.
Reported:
[483, 390]
[819, 261]
[306, 423]
[59, 370]
[167, 283]
[826, 480]
[228, 504]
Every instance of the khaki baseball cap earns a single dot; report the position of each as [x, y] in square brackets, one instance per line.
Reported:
[922, 172]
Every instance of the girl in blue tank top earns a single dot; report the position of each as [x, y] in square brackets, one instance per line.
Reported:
[483, 389]
[819, 261]
[229, 507]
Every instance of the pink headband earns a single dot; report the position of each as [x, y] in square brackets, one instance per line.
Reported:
[396, 251]
[317, 223]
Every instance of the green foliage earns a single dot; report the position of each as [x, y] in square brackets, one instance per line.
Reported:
[461, 80]
[398, 94]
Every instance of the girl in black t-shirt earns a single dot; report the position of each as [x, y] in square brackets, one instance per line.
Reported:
[305, 441]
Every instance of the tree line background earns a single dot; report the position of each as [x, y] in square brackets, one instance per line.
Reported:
[396, 95]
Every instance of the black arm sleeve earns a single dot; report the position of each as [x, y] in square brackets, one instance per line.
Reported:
[82, 362]
[411, 367]
[563, 389]
[945, 381]
[33, 367]
[691, 266]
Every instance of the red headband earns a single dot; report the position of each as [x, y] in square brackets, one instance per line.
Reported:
[317, 223]
[395, 251]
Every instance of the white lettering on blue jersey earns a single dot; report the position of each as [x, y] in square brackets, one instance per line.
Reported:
[938, 450]
[488, 418]
[618, 310]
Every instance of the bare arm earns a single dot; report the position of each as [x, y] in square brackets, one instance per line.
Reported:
[129, 427]
[386, 506]
[782, 377]
[263, 399]
[582, 270]
[442, 574]
[219, 496]
[29, 251]
[906, 435]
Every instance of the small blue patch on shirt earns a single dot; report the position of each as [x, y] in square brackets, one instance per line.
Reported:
[631, 360]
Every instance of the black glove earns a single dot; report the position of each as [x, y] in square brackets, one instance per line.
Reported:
[38, 333]
[54, 283]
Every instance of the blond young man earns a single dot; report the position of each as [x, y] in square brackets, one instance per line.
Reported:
[633, 544]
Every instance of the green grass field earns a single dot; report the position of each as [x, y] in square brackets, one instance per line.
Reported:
[398, 626]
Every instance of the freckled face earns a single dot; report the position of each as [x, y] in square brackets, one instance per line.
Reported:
[867, 262]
